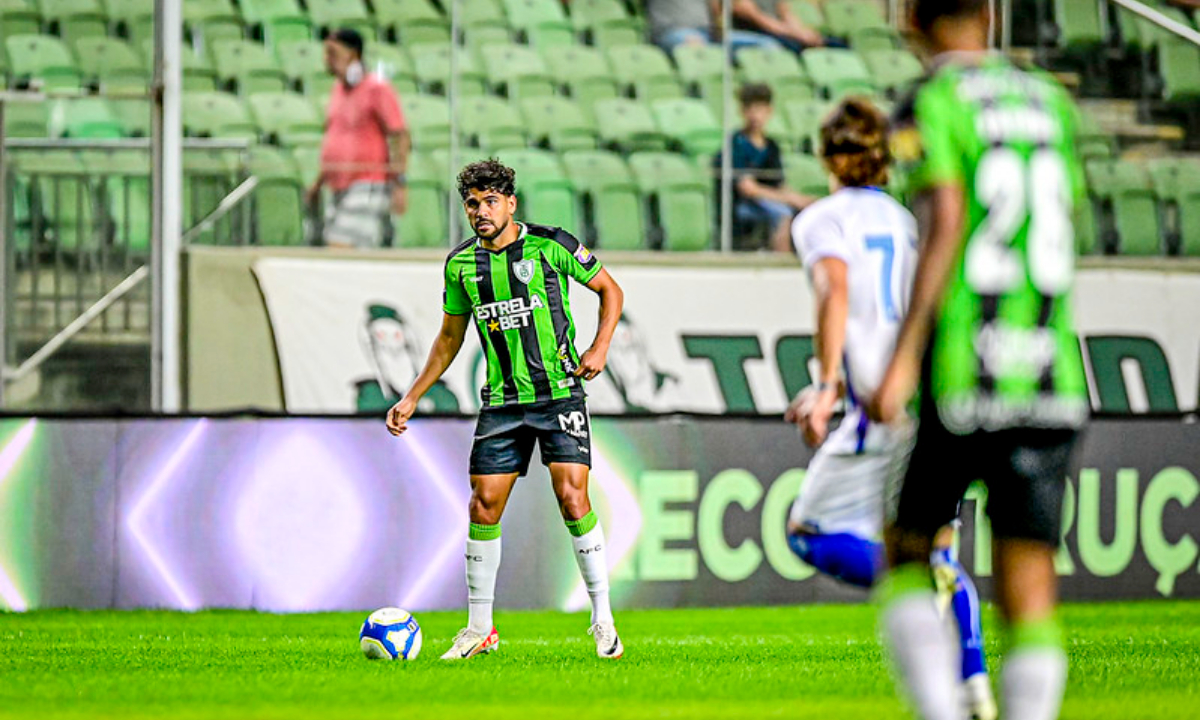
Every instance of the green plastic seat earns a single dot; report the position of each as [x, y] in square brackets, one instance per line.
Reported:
[778, 69]
[1178, 61]
[701, 67]
[559, 123]
[217, 115]
[1080, 27]
[628, 125]
[62, 199]
[517, 70]
[1141, 35]
[428, 119]
[74, 19]
[303, 64]
[248, 67]
[208, 21]
[613, 214]
[208, 176]
[331, 14]
[583, 72]
[646, 70]
[286, 118]
[541, 22]
[485, 13]
[112, 63]
[86, 118]
[277, 205]
[478, 37]
[805, 174]
[431, 64]
[27, 119]
[1092, 141]
[411, 21]
[392, 64]
[133, 114]
[690, 124]
[810, 14]
[606, 23]
[42, 59]
[843, 17]
[836, 72]
[425, 224]
[544, 192]
[491, 123]
[122, 182]
[131, 19]
[804, 117]
[1125, 187]
[198, 72]
[868, 39]
[682, 195]
[18, 17]
[893, 71]
[1176, 183]
[308, 161]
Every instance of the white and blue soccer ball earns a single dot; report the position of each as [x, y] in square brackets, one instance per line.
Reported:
[390, 634]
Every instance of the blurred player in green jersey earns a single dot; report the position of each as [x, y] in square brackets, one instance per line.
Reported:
[990, 151]
[512, 280]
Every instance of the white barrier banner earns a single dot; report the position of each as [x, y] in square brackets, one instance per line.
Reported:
[351, 335]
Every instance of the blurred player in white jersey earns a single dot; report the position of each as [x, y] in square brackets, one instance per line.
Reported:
[859, 248]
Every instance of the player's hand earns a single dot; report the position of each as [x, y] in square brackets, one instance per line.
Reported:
[312, 194]
[397, 417]
[811, 411]
[887, 404]
[592, 363]
[399, 199]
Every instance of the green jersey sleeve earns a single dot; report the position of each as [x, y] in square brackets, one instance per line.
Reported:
[569, 256]
[455, 300]
[939, 158]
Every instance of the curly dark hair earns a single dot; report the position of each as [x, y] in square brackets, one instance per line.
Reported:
[490, 174]
[755, 93]
[854, 143]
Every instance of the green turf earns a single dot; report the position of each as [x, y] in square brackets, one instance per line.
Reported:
[1135, 660]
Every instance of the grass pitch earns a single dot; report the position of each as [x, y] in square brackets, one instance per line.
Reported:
[1128, 661]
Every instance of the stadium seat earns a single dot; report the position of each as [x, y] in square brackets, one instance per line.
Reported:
[86, 118]
[303, 64]
[837, 72]
[606, 23]
[485, 13]
[701, 67]
[42, 59]
[277, 205]
[517, 70]
[248, 67]
[411, 21]
[804, 117]
[893, 71]
[1124, 189]
[286, 118]
[490, 123]
[277, 21]
[680, 197]
[392, 64]
[583, 72]
[805, 174]
[133, 114]
[208, 176]
[424, 225]
[1176, 183]
[308, 161]
[131, 19]
[27, 119]
[1079, 24]
[431, 63]
[1141, 35]
[61, 199]
[121, 180]
[690, 124]
[217, 115]
[74, 19]
[558, 123]
[628, 125]
[541, 22]
[1091, 141]
[477, 37]
[18, 17]
[331, 14]
[843, 17]
[112, 63]
[646, 70]
[544, 191]
[428, 119]
[1178, 61]
[809, 13]
[208, 21]
[867, 39]
[198, 72]
[780, 70]
[613, 215]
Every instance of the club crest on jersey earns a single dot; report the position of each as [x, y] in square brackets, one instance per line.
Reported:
[523, 269]
[582, 254]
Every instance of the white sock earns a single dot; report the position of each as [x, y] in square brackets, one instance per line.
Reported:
[925, 654]
[1033, 682]
[483, 562]
[592, 556]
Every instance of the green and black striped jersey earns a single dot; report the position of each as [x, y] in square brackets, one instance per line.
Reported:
[519, 297]
[1004, 352]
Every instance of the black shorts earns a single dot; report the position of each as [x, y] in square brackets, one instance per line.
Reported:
[504, 437]
[1024, 470]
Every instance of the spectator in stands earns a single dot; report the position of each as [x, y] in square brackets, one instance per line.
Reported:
[696, 22]
[775, 19]
[760, 199]
[364, 152]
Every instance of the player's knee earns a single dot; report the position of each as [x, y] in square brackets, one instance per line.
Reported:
[573, 503]
[485, 510]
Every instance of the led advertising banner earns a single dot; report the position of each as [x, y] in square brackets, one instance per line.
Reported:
[326, 514]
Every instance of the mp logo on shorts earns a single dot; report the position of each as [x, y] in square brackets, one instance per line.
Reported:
[573, 423]
[523, 269]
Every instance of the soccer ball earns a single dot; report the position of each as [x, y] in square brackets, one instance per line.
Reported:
[390, 634]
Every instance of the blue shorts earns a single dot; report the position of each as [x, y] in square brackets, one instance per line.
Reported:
[763, 212]
[505, 436]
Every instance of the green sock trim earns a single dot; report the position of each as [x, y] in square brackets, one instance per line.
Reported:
[1045, 633]
[484, 532]
[904, 581]
[583, 525]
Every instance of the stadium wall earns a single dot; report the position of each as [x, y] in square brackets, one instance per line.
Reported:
[317, 333]
[306, 514]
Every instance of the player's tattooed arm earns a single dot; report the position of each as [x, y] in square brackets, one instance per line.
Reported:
[445, 348]
[612, 300]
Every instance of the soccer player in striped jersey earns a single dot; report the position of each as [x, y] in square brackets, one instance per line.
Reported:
[511, 280]
[859, 248]
[989, 339]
